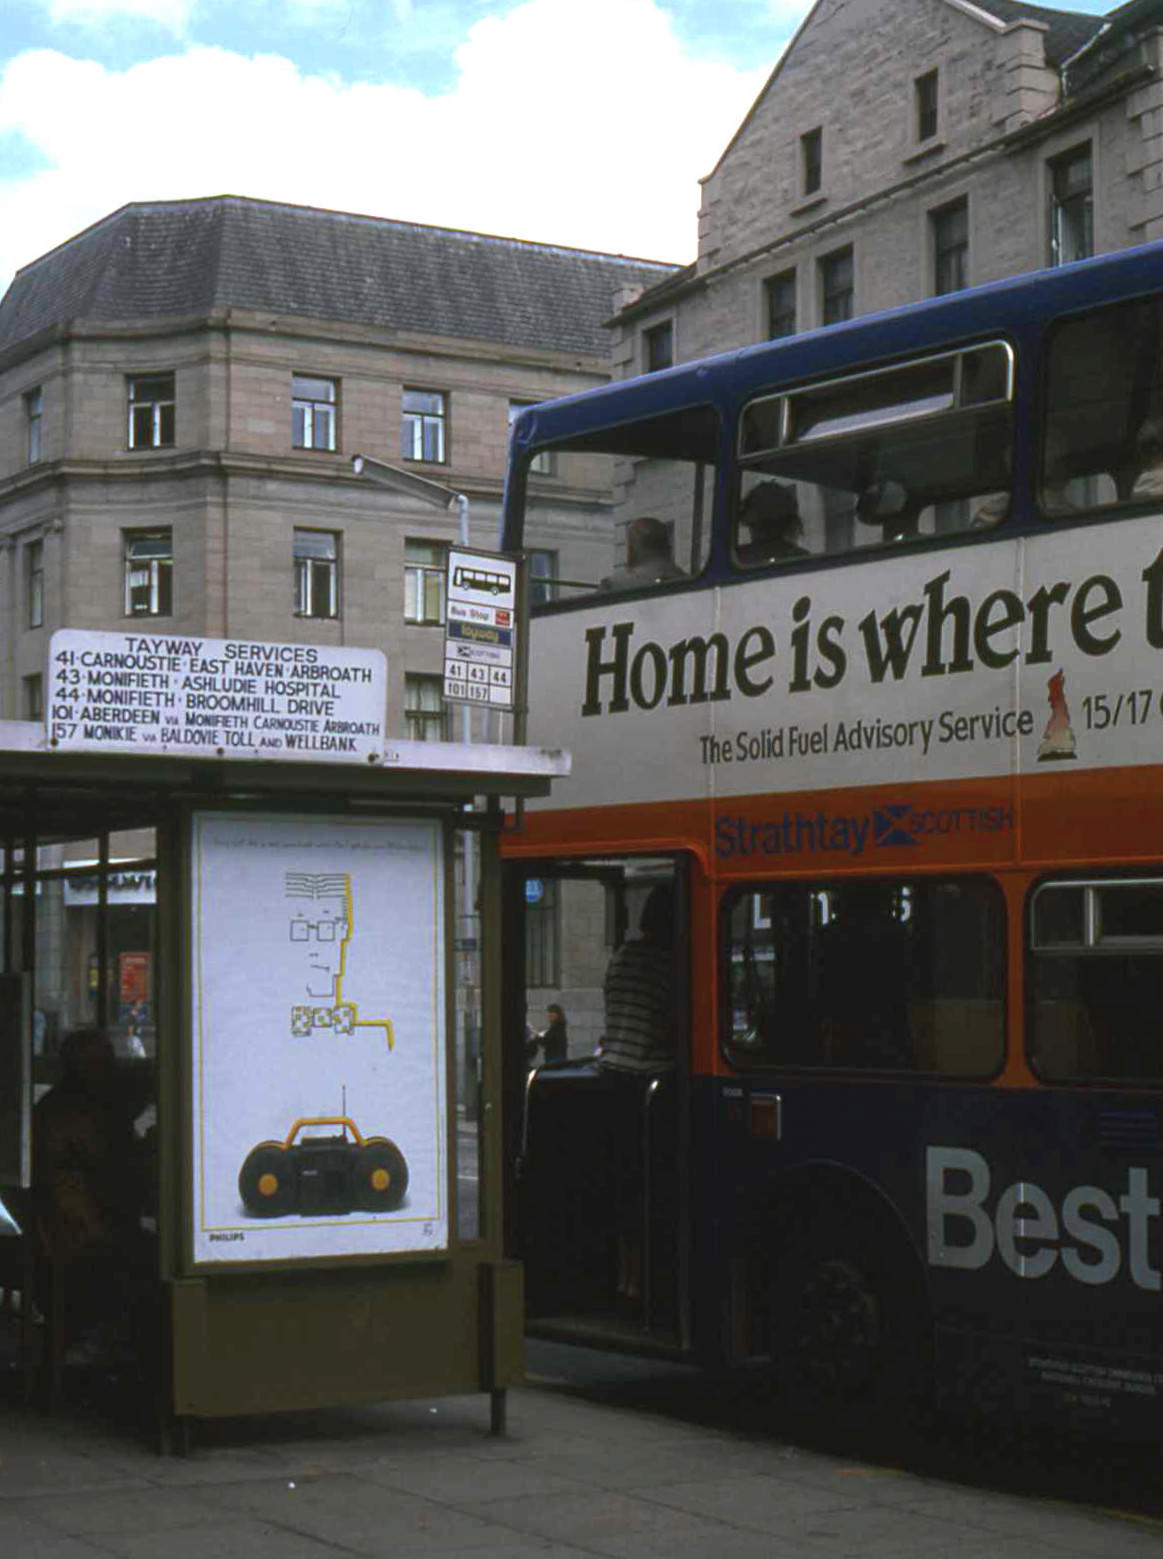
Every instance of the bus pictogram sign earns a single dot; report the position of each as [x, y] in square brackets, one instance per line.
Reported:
[480, 637]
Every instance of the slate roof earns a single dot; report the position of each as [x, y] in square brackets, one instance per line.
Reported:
[187, 257]
[1068, 30]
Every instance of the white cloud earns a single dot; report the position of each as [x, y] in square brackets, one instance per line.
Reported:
[173, 14]
[555, 130]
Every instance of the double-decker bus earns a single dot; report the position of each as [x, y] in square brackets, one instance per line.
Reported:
[856, 639]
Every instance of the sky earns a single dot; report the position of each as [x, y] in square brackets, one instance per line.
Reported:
[578, 122]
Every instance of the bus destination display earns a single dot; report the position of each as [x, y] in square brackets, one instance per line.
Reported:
[216, 698]
[480, 642]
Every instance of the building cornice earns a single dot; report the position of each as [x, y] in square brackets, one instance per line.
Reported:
[289, 327]
[225, 465]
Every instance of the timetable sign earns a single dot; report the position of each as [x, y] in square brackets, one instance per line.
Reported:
[480, 638]
[215, 698]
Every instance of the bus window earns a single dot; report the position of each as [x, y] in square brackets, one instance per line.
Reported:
[875, 975]
[1096, 980]
[1104, 409]
[626, 508]
[898, 454]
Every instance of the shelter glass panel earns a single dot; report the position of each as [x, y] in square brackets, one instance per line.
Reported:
[468, 1049]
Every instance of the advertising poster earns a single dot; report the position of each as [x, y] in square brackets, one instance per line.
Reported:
[319, 1082]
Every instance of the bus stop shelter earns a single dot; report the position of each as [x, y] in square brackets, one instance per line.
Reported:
[297, 963]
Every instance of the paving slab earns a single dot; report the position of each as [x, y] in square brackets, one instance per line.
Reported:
[598, 1476]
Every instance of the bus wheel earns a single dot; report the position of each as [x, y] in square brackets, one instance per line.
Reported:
[849, 1337]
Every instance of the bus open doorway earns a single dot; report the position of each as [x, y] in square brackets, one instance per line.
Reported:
[601, 1194]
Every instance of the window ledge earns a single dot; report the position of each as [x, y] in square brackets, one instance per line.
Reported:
[812, 203]
[925, 149]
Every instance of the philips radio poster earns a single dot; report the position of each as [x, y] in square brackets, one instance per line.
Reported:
[319, 1081]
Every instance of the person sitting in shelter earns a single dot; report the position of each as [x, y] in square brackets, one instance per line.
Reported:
[649, 560]
[91, 1185]
[771, 513]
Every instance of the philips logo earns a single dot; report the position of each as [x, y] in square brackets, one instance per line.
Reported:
[1090, 1233]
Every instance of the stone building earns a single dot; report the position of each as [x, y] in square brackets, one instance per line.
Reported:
[183, 387]
[905, 148]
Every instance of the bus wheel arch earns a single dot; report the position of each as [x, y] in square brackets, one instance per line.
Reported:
[850, 1313]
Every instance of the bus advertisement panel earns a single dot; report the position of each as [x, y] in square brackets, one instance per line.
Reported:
[999, 660]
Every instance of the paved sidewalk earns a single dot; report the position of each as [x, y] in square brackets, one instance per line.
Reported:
[573, 1478]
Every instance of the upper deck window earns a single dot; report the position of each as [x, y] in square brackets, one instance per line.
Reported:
[897, 454]
[631, 506]
[1104, 410]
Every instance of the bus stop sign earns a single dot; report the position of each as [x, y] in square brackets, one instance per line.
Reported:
[480, 638]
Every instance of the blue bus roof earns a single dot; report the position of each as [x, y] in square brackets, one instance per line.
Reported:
[1012, 306]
